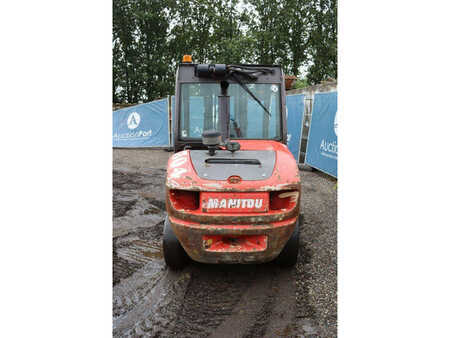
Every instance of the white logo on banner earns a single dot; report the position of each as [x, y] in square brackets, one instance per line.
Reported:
[133, 120]
[335, 124]
[330, 149]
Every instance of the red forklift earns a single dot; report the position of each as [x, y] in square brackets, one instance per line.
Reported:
[232, 185]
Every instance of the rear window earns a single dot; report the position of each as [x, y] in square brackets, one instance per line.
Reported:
[199, 110]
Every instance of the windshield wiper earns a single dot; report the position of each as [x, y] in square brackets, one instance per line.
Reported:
[243, 85]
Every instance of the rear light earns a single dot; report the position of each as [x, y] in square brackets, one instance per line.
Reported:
[184, 199]
[284, 199]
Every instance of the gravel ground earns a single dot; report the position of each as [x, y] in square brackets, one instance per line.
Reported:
[216, 300]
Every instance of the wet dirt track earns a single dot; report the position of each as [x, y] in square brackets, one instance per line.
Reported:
[216, 300]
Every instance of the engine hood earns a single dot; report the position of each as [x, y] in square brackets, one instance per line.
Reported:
[250, 165]
[273, 168]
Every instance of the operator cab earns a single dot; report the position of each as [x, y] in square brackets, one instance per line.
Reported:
[240, 102]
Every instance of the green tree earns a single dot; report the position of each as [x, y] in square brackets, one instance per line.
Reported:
[270, 31]
[152, 23]
[297, 33]
[141, 57]
[211, 31]
[125, 51]
[323, 40]
[231, 45]
[151, 36]
[280, 29]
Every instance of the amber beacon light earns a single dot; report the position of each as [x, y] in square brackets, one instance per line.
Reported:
[187, 58]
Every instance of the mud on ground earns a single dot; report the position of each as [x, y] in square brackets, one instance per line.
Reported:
[216, 300]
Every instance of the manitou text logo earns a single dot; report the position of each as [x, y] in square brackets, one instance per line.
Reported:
[133, 120]
[230, 203]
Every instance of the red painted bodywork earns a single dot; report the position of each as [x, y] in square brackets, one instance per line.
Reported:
[192, 222]
[249, 243]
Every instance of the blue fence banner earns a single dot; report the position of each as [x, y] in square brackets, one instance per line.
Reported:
[322, 148]
[144, 125]
[295, 106]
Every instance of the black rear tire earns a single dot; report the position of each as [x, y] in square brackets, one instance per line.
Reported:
[288, 256]
[174, 254]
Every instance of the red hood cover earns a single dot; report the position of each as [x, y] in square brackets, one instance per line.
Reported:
[181, 173]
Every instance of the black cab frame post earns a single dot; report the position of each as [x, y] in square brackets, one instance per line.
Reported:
[224, 111]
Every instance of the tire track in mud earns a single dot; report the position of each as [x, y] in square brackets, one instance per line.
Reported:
[212, 295]
[132, 251]
[207, 301]
[277, 314]
[202, 300]
[247, 312]
[154, 295]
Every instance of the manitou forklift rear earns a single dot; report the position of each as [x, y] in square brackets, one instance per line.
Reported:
[232, 186]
